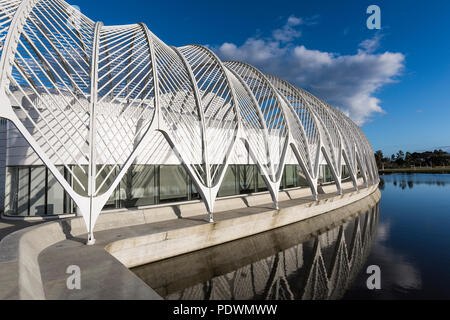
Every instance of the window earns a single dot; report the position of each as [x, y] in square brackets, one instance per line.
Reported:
[38, 183]
[229, 185]
[328, 174]
[80, 180]
[34, 191]
[301, 178]
[105, 178]
[56, 197]
[173, 184]
[325, 175]
[345, 172]
[12, 193]
[138, 187]
[291, 176]
[194, 194]
[262, 187]
[247, 181]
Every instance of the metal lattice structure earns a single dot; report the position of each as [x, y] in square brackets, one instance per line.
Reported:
[88, 97]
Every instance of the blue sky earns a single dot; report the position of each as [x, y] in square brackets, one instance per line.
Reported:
[394, 82]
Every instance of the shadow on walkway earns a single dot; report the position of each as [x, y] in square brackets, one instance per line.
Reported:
[10, 226]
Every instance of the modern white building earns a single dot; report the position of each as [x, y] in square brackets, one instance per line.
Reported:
[98, 117]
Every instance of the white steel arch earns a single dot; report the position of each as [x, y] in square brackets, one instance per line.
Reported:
[305, 135]
[90, 98]
[273, 109]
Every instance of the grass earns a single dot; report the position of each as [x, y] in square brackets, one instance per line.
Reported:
[417, 170]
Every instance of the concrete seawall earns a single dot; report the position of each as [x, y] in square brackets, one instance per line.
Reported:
[238, 269]
[153, 247]
[33, 261]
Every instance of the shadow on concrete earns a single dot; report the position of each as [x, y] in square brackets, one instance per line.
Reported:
[10, 226]
[66, 226]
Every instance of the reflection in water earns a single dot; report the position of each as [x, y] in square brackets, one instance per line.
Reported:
[412, 239]
[397, 268]
[405, 181]
[314, 259]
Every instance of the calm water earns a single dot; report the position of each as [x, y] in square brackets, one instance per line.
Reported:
[406, 234]
[413, 239]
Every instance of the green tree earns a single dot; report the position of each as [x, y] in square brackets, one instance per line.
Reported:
[409, 159]
[379, 158]
[400, 158]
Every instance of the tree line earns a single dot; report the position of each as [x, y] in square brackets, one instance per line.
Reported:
[436, 158]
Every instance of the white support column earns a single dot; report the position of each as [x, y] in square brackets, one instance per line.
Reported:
[98, 202]
[273, 183]
[259, 113]
[361, 167]
[214, 190]
[206, 189]
[300, 160]
[279, 175]
[92, 186]
[325, 136]
[311, 181]
[336, 177]
[352, 171]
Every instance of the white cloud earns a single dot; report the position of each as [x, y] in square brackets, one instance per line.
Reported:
[350, 82]
[288, 32]
[371, 45]
[294, 21]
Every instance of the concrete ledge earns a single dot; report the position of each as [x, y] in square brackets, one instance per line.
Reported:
[176, 274]
[298, 193]
[149, 248]
[159, 234]
[329, 188]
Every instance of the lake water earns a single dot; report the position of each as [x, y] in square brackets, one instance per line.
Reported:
[406, 235]
[413, 239]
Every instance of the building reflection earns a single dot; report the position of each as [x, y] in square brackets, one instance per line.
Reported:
[409, 181]
[317, 259]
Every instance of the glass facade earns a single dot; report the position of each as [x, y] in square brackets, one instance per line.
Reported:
[229, 185]
[138, 188]
[173, 184]
[293, 178]
[33, 191]
[345, 173]
[325, 175]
